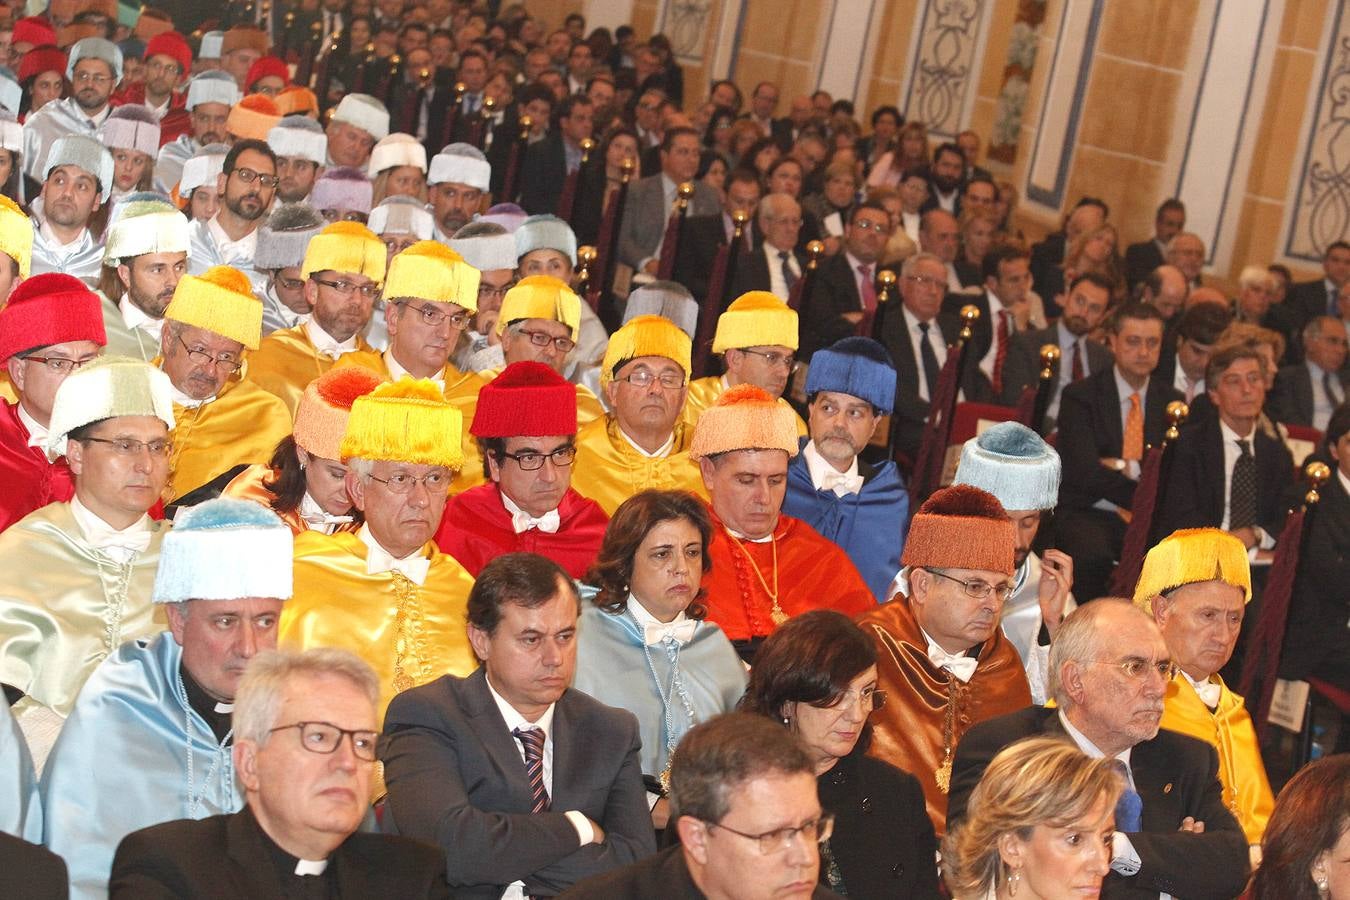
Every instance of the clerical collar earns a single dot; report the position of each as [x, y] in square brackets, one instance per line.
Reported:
[661, 452]
[1090, 748]
[37, 432]
[286, 864]
[325, 343]
[213, 712]
[397, 371]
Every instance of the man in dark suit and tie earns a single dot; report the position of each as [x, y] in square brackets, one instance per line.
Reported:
[1142, 258]
[525, 785]
[1309, 299]
[1004, 276]
[1308, 393]
[650, 199]
[704, 235]
[550, 161]
[1105, 422]
[774, 264]
[1109, 670]
[844, 299]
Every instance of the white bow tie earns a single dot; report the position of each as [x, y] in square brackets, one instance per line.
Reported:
[682, 632]
[522, 521]
[1209, 692]
[963, 667]
[414, 568]
[325, 523]
[842, 483]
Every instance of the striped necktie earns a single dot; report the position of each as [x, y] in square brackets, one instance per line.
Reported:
[532, 739]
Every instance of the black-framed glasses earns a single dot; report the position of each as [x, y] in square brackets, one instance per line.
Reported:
[290, 284]
[60, 364]
[433, 317]
[202, 358]
[780, 839]
[404, 482]
[487, 291]
[643, 378]
[543, 339]
[976, 589]
[870, 698]
[133, 447]
[774, 359]
[347, 288]
[531, 462]
[324, 737]
[1137, 668]
[248, 176]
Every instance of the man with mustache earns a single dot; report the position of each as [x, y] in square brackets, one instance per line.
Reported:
[343, 270]
[247, 183]
[457, 186]
[301, 148]
[863, 508]
[94, 68]
[941, 657]
[76, 182]
[210, 96]
[144, 256]
[1110, 669]
[125, 759]
[222, 424]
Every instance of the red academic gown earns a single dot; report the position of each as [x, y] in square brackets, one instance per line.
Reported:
[27, 481]
[476, 528]
[812, 573]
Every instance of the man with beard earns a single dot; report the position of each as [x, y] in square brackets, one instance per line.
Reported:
[1109, 672]
[230, 238]
[93, 69]
[145, 255]
[210, 96]
[343, 269]
[457, 186]
[850, 389]
[222, 424]
[76, 182]
[282, 240]
[301, 148]
[945, 178]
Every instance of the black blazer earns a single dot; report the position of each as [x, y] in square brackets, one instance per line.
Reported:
[542, 175]
[1291, 400]
[228, 857]
[702, 237]
[1192, 495]
[1022, 368]
[1317, 636]
[457, 779]
[1140, 261]
[30, 871]
[1090, 428]
[1176, 776]
[664, 876]
[1308, 300]
[911, 411]
[834, 292]
[752, 272]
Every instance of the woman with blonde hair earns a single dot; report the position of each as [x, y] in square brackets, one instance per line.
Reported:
[1039, 825]
[911, 152]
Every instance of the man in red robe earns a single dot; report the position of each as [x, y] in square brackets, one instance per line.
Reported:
[526, 426]
[941, 657]
[51, 326]
[765, 566]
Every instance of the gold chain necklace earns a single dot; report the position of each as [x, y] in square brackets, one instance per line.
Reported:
[776, 614]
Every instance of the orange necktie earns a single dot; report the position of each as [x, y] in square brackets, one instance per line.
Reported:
[1132, 448]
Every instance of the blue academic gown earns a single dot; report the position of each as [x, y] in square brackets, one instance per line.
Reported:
[121, 762]
[20, 804]
[612, 669]
[869, 526]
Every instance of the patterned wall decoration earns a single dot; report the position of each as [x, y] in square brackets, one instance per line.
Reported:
[944, 65]
[686, 23]
[1026, 36]
[1321, 211]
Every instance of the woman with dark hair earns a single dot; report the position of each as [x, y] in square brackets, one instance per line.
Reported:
[713, 171]
[643, 645]
[761, 156]
[719, 134]
[817, 674]
[1305, 854]
[592, 199]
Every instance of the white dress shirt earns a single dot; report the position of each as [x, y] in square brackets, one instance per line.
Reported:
[661, 452]
[910, 222]
[778, 285]
[121, 544]
[325, 343]
[1231, 452]
[1182, 382]
[826, 477]
[230, 249]
[396, 371]
[996, 308]
[414, 566]
[37, 432]
[935, 339]
[1066, 340]
[1323, 406]
[522, 521]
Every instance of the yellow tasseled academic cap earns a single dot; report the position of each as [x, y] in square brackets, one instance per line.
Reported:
[646, 336]
[346, 247]
[745, 417]
[429, 270]
[219, 300]
[407, 421]
[541, 297]
[16, 234]
[756, 319]
[1191, 556]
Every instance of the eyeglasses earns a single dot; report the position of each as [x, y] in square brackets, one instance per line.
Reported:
[291, 284]
[780, 839]
[87, 77]
[133, 447]
[976, 590]
[530, 462]
[925, 282]
[869, 697]
[1136, 668]
[403, 483]
[350, 215]
[248, 176]
[543, 339]
[322, 737]
[347, 288]
[433, 317]
[878, 227]
[59, 364]
[643, 378]
[202, 358]
[486, 291]
[774, 359]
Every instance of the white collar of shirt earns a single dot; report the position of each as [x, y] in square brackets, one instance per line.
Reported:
[396, 370]
[315, 517]
[826, 477]
[1090, 748]
[1182, 382]
[515, 720]
[1124, 390]
[325, 343]
[654, 631]
[37, 432]
[759, 540]
[661, 452]
[55, 242]
[1345, 481]
[310, 866]
[414, 566]
[230, 248]
[122, 544]
[522, 521]
[182, 399]
[1208, 690]
[1232, 437]
[668, 189]
[135, 317]
[958, 664]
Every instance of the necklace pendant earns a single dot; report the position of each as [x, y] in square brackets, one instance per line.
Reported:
[777, 614]
[943, 775]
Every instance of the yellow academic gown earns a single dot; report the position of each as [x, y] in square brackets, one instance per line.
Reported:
[461, 391]
[703, 393]
[241, 426]
[409, 633]
[286, 361]
[609, 470]
[588, 405]
[1246, 790]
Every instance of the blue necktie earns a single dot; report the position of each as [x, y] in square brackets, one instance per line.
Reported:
[1130, 806]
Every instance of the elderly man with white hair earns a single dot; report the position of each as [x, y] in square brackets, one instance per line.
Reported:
[150, 737]
[76, 181]
[457, 188]
[302, 149]
[143, 259]
[210, 96]
[94, 68]
[356, 124]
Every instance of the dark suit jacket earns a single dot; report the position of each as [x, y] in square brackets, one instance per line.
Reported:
[664, 876]
[911, 411]
[703, 237]
[228, 857]
[1307, 300]
[752, 272]
[456, 779]
[1047, 258]
[1090, 428]
[1140, 261]
[1176, 777]
[834, 292]
[1291, 400]
[782, 133]
[542, 175]
[30, 871]
[1192, 495]
[1022, 368]
[1317, 637]
[646, 213]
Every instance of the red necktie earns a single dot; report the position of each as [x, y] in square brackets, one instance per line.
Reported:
[867, 290]
[1078, 360]
[1001, 351]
